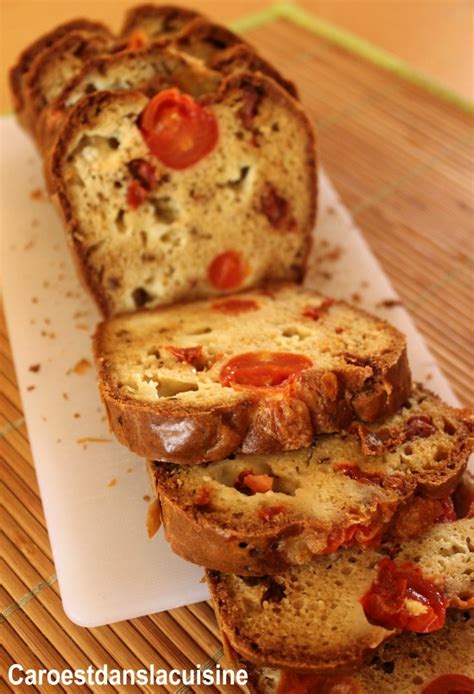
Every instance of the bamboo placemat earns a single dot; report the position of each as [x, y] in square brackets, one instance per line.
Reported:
[401, 159]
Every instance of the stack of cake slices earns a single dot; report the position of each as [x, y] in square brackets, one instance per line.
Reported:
[289, 452]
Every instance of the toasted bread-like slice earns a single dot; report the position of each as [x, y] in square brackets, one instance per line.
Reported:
[404, 665]
[311, 619]
[149, 70]
[20, 70]
[313, 501]
[241, 215]
[54, 67]
[157, 21]
[174, 391]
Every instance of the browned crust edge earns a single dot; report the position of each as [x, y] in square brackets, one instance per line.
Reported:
[33, 91]
[90, 106]
[27, 56]
[258, 551]
[136, 14]
[253, 425]
[230, 630]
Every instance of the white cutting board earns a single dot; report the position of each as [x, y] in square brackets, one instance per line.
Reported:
[93, 492]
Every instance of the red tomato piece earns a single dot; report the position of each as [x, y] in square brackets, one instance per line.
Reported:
[233, 307]
[138, 39]
[450, 684]
[263, 369]
[402, 598]
[249, 483]
[178, 131]
[136, 195]
[227, 271]
[189, 355]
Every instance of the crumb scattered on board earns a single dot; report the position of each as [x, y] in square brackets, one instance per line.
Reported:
[38, 194]
[30, 388]
[81, 367]
[147, 498]
[93, 439]
[389, 303]
[34, 368]
[112, 482]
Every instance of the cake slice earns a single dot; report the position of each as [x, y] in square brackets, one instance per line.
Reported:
[156, 21]
[331, 614]
[440, 663]
[261, 514]
[259, 372]
[149, 70]
[203, 197]
[55, 66]
[20, 70]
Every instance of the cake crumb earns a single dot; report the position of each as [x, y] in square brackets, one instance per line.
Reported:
[356, 297]
[65, 396]
[93, 439]
[30, 388]
[81, 367]
[389, 303]
[38, 194]
[112, 482]
[147, 498]
[34, 299]
[34, 368]
[76, 415]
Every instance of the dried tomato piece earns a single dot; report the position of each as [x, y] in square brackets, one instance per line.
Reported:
[138, 40]
[227, 271]
[136, 195]
[450, 684]
[269, 512]
[420, 514]
[189, 355]
[402, 598]
[377, 441]
[315, 312]
[275, 207]
[249, 108]
[202, 497]
[233, 307]
[365, 477]
[249, 483]
[419, 426]
[263, 369]
[143, 172]
[178, 131]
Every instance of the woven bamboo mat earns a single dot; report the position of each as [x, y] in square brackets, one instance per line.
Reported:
[402, 162]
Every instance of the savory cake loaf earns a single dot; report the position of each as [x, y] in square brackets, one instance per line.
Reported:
[438, 663]
[203, 197]
[329, 615]
[260, 514]
[262, 371]
[19, 71]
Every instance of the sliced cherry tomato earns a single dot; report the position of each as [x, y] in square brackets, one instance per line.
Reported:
[355, 473]
[178, 131]
[227, 271]
[189, 355]
[136, 195]
[299, 683]
[249, 483]
[450, 684]
[402, 598]
[233, 307]
[420, 514]
[263, 369]
[138, 39]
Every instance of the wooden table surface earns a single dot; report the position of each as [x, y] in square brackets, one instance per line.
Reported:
[401, 159]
